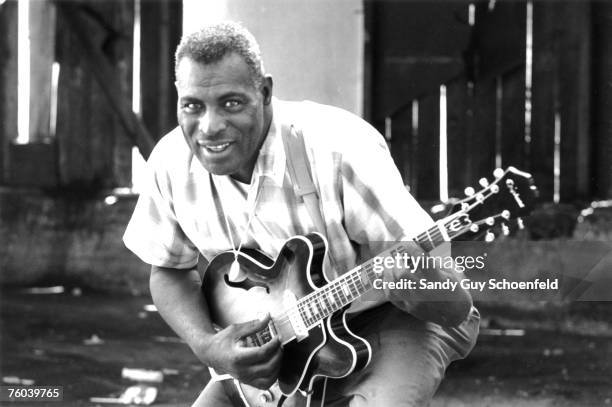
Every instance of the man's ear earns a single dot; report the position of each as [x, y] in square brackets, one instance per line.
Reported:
[266, 89]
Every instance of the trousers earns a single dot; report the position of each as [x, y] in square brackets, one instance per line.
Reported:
[409, 358]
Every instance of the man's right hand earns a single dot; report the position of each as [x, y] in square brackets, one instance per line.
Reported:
[257, 366]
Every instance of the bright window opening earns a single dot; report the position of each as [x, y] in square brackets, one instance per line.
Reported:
[23, 75]
[138, 162]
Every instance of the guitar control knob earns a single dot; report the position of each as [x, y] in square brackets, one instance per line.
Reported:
[483, 182]
[520, 223]
[266, 396]
[469, 191]
[498, 173]
[489, 237]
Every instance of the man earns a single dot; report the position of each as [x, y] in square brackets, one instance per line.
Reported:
[220, 182]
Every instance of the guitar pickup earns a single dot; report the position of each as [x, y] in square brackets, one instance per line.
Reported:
[300, 329]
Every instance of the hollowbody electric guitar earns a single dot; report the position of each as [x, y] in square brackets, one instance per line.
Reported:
[308, 311]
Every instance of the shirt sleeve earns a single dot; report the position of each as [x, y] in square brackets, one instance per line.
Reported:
[153, 232]
[377, 205]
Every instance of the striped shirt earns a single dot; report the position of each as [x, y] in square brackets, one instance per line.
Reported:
[181, 213]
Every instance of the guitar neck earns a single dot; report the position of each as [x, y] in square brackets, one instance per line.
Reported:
[355, 283]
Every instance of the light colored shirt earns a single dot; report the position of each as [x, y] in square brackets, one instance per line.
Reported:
[181, 212]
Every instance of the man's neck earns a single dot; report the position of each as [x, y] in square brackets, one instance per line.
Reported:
[245, 175]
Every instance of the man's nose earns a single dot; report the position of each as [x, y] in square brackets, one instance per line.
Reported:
[211, 123]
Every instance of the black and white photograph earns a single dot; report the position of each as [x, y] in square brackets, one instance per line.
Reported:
[306, 203]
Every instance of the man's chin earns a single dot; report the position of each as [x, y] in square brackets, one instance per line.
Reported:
[223, 170]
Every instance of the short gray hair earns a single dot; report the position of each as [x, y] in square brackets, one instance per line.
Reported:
[213, 42]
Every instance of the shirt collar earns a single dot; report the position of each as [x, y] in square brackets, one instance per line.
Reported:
[272, 162]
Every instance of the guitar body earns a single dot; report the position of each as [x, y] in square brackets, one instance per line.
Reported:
[329, 350]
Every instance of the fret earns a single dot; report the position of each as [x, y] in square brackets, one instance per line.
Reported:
[307, 312]
[429, 237]
[339, 298]
[314, 309]
[360, 287]
[320, 303]
[332, 300]
[354, 289]
[346, 290]
[323, 301]
[340, 293]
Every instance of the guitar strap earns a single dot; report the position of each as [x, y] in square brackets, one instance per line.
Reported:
[301, 178]
[299, 171]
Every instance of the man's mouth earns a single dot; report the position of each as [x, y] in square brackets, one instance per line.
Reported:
[215, 148]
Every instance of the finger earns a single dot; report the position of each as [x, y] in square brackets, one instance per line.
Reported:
[251, 327]
[256, 355]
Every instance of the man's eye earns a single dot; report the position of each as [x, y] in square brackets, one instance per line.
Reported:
[232, 104]
[191, 107]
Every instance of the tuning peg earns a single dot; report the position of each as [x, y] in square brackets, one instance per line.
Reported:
[498, 173]
[474, 228]
[483, 182]
[520, 223]
[490, 236]
[490, 221]
[505, 214]
[469, 191]
[494, 188]
[505, 229]
[465, 206]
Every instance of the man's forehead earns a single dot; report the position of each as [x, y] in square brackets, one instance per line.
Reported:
[188, 66]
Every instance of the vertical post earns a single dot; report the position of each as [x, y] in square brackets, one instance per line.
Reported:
[513, 119]
[602, 98]
[161, 32]
[575, 99]
[42, 55]
[92, 149]
[561, 85]
[457, 137]
[8, 81]
[483, 137]
[543, 97]
[428, 181]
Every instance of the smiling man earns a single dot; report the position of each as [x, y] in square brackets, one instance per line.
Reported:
[220, 182]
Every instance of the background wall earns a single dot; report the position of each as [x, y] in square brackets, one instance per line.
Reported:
[313, 49]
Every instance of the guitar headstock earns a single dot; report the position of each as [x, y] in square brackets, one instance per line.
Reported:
[499, 205]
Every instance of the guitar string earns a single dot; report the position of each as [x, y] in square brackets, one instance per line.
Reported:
[334, 286]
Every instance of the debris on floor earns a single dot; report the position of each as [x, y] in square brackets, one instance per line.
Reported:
[142, 375]
[136, 395]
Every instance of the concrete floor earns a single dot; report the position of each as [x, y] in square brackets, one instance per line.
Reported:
[82, 342]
